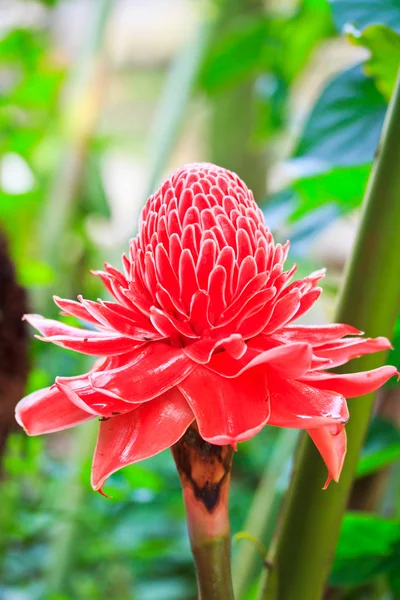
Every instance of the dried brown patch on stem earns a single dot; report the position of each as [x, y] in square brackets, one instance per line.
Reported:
[203, 466]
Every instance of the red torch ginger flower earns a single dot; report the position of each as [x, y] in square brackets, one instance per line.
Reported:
[201, 327]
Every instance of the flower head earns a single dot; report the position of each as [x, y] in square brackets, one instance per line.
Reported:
[200, 327]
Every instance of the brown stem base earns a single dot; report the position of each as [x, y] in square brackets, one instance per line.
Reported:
[204, 470]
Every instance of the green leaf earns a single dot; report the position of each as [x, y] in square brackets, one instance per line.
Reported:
[394, 582]
[291, 38]
[367, 547]
[343, 186]
[344, 126]
[381, 448]
[362, 13]
[384, 45]
[236, 55]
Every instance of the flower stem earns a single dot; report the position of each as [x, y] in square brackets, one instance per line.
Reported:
[204, 471]
[370, 299]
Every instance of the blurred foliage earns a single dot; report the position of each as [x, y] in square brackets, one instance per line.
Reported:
[382, 446]
[134, 546]
[344, 126]
[362, 13]
[369, 546]
[384, 46]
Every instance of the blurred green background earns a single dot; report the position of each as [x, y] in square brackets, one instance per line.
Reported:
[99, 100]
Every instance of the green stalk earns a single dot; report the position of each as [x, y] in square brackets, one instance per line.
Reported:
[204, 471]
[69, 501]
[78, 115]
[264, 506]
[174, 102]
[370, 300]
[232, 118]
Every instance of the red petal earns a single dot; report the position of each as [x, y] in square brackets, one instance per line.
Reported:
[79, 391]
[48, 327]
[353, 384]
[284, 310]
[307, 301]
[289, 361]
[226, 410]
[75, 309]
[331, 443]
[342, 351]
[93, 343]
[295, 404]
[107, 346]
[315, 334]
[202, 350]
[155, 369]
[48, 410]
[144, 432]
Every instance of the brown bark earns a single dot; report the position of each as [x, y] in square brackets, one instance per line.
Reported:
[13, 343]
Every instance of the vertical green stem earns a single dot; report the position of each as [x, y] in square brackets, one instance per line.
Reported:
[78, 115]
[264, 506]
[174, 102]
[232, 119]
[68, 505]
[370, 300]
[204, 471]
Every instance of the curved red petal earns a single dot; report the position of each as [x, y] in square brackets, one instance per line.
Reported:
[352, 384]
[79, 391]
[49, 327]
[289, 361]
[284, 309]
[295, 404]
[85, 341]
[75, 309]
[202, 350]
[342, 351]
[144, 432]
[227, 411]
[48, 410]
[331, 442]
[315, 334]
[94, 346]
[153, 371]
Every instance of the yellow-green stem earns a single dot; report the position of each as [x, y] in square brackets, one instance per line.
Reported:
[233, 111]
[310, 526]
[204, 471]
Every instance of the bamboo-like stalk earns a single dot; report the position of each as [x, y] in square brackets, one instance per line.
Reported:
[370, 299]
[174, 103]
[79, 112]
[82, 106]
[265, 505]
[232, 114]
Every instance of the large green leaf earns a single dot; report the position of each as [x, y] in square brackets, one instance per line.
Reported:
[384, 45]
[236, 55]
[293, 36]
[381, 448]
[368, 546]
[342, 186]
[344, 126]
[362, 13]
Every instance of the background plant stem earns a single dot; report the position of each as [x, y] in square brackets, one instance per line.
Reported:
[82, 101]
[264, 506]
[232, 118]
[370, 300]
